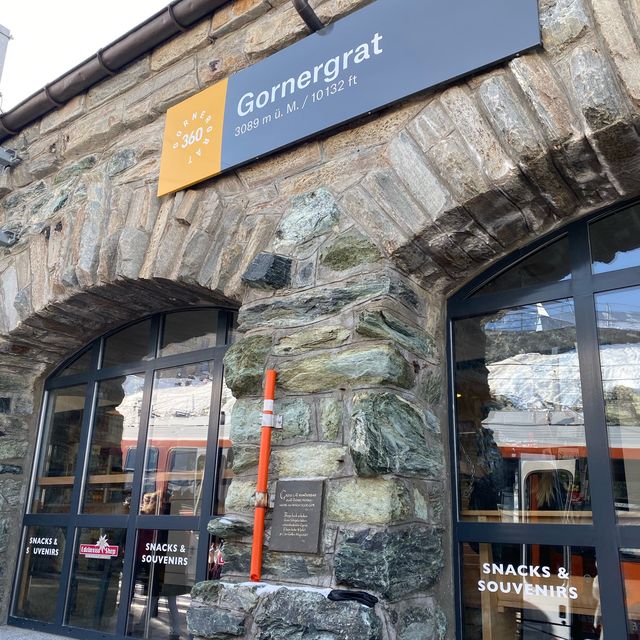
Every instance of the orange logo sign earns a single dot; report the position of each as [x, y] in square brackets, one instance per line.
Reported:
[192, 144]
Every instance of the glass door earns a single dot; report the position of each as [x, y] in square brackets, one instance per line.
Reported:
[127, 478]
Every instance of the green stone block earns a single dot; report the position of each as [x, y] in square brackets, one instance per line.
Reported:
[395, 563]
[349, 251]
[244, 365]
[360, 365]
[371, 501]
[311, 339]
[246, 420]
[386, 325]
[391, 435]
[331, 411]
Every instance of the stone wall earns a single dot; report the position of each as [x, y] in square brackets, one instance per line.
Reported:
[348, 245]
[358, 388]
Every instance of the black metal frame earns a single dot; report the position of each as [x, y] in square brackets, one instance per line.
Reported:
[132, 522]
[604, 534]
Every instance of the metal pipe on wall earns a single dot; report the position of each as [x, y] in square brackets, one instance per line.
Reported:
[262, 497]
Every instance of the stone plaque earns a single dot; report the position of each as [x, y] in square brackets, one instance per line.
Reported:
[297, 516]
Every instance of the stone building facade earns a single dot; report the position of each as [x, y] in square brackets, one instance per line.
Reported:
[339, 255]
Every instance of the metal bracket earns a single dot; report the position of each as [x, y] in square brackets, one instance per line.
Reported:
[279, 423]
[309, 16]
[9, 158]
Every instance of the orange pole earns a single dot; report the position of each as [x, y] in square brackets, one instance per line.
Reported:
[262, 498]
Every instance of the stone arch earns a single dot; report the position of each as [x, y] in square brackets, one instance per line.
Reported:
[44, 340]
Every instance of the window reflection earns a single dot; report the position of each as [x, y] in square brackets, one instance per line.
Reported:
[521, 443]
[630, 565]
[549, 264]
[57, 467]
[178, 430]
[115, 431]
[94, 594]
[618, 316]
[39, 583]
[189, 331]
[530, 592]
[615, 241]
[164, 573]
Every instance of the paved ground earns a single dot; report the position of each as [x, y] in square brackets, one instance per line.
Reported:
[16, 633]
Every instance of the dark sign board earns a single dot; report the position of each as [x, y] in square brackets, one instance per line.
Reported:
[297, 516]
[378, 55]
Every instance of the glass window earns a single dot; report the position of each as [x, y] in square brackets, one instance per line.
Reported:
[550, 264]
[520, 427]
[180, 407]
[39, 582]
[189, 331]
[115, 430]
[94, 594]
[531, 591]
[58, 458]
[129, 345]
[145, 437]
[618, 314]
[79, 365]
[164, 574]
[615, 241]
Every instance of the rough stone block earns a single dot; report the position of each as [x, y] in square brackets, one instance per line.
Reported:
[116, 85]
[220, 61]
[241, 496]
[547, 98]
[268, 271]
[215, 624]
[311, 215]
[562, 22]
[309, 461]
[322, 337]
[245, 458]
[99, 126]
[227, 527]
[246, 419]
[390, 435]
[181, 46]
[293, 613]
[356, 366]
[370, 501]
[359, 205]
[421, 623]
[234, 15]
[278, 30]
[387, 190]
[417, 176]
[282, 165]
[385, 324]
[394, 563]
[596, 90]
[322, 302]
[245, 363]
[331, 412]
[60, 117]
[348, 251]
[477, 133]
